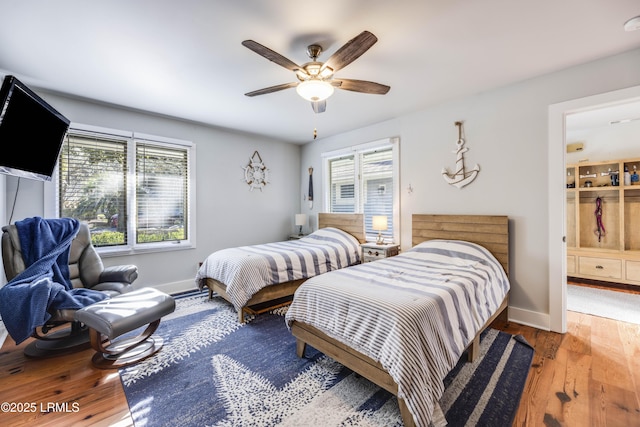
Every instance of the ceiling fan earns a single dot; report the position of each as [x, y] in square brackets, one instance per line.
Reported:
[315, 79]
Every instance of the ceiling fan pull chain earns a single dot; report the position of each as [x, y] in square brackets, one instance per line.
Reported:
[315, 127]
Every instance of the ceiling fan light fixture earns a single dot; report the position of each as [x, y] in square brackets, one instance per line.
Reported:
[314, 90]
[632, 24]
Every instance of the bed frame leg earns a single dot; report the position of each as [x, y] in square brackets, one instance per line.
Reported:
[300, 347]
[241, 315]
[407, 418]
[474, 349]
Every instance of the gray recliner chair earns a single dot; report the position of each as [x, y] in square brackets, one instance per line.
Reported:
[86, 270]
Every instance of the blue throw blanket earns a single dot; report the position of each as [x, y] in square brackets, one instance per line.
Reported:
[44, 285]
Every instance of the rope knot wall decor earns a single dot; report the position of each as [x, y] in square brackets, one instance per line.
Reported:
[256, 174]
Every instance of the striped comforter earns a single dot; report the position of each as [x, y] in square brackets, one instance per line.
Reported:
[247, 269]
[415, 313]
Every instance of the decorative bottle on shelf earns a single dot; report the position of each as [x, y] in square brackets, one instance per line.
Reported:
[627, 176]
[614, 178]
[634, 176]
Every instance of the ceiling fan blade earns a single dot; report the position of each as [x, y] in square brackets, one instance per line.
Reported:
[272, 89]
[361, 86]
[271, 55]
[351, 51]
[319, 106]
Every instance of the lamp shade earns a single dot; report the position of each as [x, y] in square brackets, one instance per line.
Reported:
[301, 219]
[314, 90]
[379, 222]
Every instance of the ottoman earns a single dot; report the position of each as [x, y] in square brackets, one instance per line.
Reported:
[110, 322]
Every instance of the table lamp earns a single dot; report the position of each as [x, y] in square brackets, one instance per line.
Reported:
[379, 224]
[301, 219]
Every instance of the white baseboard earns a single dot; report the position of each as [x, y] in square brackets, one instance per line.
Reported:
[529, 318]
[173, 287]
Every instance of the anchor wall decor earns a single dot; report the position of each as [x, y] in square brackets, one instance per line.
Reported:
[461, 177]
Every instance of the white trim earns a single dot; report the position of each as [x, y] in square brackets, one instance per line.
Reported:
[174, 287]
[529, 318]
[51, 196]
[557, 200]
[191, 195]
[557, 226]
[395, 142]
[362, 148]
[325, 184]
[132, 206]
[160, 139]
[92, 130]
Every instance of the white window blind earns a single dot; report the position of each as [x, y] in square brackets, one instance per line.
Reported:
[92, 185]
[342, 183]
[377, 189]
[161, 193]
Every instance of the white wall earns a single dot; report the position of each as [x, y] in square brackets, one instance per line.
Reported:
[227, 212]
[506, 132]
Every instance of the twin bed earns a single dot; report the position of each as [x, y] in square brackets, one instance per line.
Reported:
[401, 322]
[262, 277]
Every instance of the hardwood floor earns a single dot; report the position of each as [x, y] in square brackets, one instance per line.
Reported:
[84, 396]
[589, 376]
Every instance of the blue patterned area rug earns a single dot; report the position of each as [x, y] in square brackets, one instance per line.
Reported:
[212, 371]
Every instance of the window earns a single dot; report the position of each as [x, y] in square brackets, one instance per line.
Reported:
[161, 193]
[133, 190]
[363, 179]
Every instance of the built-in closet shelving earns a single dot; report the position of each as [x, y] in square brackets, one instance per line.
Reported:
[614, 255]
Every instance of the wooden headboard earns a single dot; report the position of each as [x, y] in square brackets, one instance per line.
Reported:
[490, 231]
[349, 222]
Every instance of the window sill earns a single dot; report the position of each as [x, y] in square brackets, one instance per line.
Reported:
[146, 249]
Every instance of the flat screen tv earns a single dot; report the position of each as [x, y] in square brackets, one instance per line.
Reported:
[31, 132]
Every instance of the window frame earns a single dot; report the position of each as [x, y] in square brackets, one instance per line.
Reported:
[51, 189]
[357, 151]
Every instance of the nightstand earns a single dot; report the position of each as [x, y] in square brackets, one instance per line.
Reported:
[372, 251]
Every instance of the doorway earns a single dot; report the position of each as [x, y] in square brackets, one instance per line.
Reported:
[556, 160]
[600, 141]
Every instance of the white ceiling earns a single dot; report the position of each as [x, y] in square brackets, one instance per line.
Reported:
[184, 58]
[580, 126]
